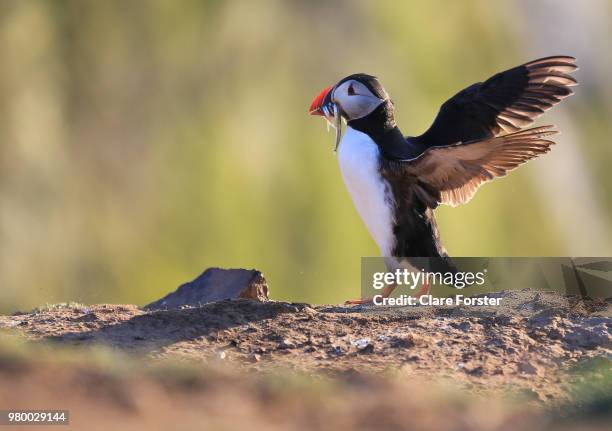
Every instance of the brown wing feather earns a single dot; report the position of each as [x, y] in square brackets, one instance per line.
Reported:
[457, 171]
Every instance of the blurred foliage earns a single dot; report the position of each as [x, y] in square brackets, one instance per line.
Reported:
[590, 393]
[141, 142]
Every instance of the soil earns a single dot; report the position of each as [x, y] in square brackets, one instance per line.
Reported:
[528, 346]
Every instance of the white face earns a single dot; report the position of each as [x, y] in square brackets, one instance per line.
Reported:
[355, 99]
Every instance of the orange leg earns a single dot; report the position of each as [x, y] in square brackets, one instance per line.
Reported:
[423, 291]
[385, 294]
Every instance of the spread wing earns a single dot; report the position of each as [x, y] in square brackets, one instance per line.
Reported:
[452, 174]
[504, 103]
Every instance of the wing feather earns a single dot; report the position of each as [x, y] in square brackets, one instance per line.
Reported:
[455, 172]
[505, 103]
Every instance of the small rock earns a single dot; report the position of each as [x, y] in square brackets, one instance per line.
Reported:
[363, 345]
[215, 284]
[286, 344]
[221, 355]
[255, 357]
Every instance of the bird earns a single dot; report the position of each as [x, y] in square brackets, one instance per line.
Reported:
[481, 133]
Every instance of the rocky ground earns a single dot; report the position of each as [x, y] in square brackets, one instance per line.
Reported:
[530, 347]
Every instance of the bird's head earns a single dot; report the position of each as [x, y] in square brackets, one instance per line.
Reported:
[352, 98]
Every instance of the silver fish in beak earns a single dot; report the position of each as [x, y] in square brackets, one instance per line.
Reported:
[323, 106]
[337, 126]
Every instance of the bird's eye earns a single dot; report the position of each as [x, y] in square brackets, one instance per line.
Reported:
[351, 90]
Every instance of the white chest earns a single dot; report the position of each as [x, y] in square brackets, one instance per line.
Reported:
[359, 161]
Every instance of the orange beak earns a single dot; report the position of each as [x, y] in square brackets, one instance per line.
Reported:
[319, 102]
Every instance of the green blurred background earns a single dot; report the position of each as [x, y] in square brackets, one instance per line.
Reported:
[143, 141]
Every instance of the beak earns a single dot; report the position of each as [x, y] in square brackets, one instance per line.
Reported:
[319, 102]
[322, 105]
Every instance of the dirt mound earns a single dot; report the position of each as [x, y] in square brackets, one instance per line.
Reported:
[527, 344]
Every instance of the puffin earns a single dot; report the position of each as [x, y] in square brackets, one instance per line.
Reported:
[481, 133]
